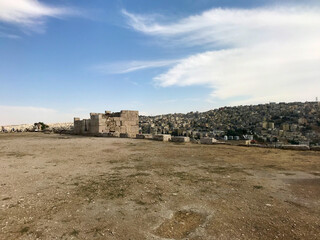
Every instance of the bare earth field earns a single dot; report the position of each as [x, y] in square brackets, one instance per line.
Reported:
[67, 187]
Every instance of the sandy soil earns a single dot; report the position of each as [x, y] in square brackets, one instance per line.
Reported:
[67, 187]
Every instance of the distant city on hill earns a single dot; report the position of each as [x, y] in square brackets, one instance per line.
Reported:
[295, 123]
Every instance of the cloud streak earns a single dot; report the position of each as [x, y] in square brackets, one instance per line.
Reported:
[257, 55]
[131, 66]
[8, 35]
[30, 14]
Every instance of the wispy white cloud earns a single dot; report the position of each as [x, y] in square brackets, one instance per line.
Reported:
[30, 14]
[8, 35]
[134, 83]
[258, 55]
[131, 66]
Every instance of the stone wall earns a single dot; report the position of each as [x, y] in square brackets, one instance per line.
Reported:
[162, 137]
[207, 140]
[180, 139]
[109, 124]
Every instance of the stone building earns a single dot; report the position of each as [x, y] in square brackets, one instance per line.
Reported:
[124, 124]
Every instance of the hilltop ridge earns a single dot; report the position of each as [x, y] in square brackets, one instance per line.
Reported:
[293, 122]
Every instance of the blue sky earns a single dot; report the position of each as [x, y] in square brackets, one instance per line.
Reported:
[64, 58]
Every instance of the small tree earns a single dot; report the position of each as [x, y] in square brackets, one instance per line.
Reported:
[43, 125]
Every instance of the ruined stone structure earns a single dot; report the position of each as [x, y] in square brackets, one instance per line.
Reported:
[124, 124]
[180, 139]
[162, 137]
[207, 140]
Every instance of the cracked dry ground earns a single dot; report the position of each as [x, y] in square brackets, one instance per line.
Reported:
[68, 187]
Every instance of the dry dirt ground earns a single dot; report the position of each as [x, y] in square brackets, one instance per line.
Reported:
[68, 187]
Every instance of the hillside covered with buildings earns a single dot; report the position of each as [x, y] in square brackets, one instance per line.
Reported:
[295, 123]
